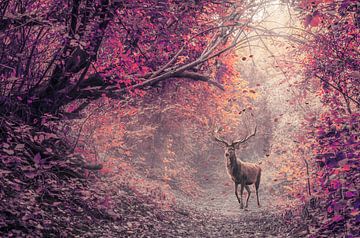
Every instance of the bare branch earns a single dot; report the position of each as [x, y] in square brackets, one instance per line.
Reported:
[200, 77]
[21, 21]
[338, 89]
[92, 166]
[168, 64]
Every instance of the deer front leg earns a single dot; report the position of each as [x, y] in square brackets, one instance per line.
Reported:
[241, 195]
[236, 192]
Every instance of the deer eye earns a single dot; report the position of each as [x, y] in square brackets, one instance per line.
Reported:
[227, 154]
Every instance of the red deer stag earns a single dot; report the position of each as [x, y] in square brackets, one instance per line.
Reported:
[241, 172]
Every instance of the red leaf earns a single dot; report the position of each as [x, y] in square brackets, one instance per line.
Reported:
[346, 167]
[335, 184]
[338, 218]
[350, 194]
[30, 175]
[330, 209]
[37, 159]
[315, 21]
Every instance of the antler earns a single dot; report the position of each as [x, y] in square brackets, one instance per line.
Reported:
[248, 137]
[219, 139]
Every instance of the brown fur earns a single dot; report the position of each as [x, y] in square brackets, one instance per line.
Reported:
[243, 173]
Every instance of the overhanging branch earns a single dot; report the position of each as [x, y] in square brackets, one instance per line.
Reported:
[337, 89]
[114, 91]
[199, 77]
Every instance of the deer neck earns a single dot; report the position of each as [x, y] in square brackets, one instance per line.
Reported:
[233, 165]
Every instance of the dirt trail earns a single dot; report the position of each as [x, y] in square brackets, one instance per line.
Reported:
[221, 216]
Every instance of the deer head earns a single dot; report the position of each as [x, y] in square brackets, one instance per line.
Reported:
[231, 147]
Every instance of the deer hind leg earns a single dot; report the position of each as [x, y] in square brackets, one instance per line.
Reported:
[249, 192]
[236, 192]
[257, 184]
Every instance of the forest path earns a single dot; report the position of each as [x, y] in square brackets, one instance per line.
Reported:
[221, 216]
[214, 210]
[278, 120]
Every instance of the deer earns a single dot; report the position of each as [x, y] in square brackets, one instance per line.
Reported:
[243, 173]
